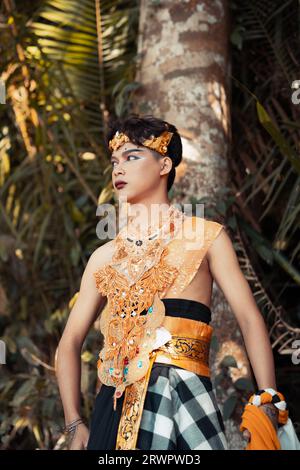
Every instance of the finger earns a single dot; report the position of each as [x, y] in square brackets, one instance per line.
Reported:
[246, 434]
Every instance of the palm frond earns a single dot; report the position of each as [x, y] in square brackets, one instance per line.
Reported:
[95, 43]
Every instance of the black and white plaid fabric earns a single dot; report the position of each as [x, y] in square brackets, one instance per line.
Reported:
[180, 412]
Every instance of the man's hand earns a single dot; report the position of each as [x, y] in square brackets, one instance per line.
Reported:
[79, 438]
[272, 412]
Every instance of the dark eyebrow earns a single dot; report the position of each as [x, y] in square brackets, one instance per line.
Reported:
[127, 151]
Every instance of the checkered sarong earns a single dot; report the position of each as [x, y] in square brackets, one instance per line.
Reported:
[180, 412]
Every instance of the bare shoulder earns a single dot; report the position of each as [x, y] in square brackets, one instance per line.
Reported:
[90, 300]
[221, 248]
[102, 255]
[99, 257]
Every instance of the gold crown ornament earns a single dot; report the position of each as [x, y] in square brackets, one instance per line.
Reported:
[160, 143]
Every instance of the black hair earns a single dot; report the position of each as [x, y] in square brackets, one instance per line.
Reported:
[138, 128]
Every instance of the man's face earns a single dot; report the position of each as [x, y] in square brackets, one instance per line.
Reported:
[138, 167]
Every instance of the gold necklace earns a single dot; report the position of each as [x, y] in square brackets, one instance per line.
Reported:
[134, 256]
[134, 278]
[165, 227]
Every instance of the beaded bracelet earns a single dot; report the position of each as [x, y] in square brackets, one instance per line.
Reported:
[72, 426]
[269, 395]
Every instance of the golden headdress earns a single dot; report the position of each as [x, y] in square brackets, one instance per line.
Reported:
[160, 143]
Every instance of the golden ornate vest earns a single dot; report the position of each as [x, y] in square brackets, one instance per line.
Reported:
[129, 338]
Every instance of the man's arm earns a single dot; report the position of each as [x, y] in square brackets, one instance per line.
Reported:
[83, 314]
[225, 269]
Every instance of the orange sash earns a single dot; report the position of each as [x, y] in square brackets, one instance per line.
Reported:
[263, 433]
[188, 348]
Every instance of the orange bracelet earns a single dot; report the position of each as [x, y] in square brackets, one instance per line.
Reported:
[269, 395]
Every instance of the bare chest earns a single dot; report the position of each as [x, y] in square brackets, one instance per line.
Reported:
[199, 284]
[200, 287]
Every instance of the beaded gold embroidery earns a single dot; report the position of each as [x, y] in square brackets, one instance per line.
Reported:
[131, 283]
[189, 260]
[169, 268]
[159, 143]
[188, 348]
[119, 139]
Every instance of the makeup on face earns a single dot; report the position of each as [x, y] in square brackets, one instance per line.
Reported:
[126, 152]
[120, 183]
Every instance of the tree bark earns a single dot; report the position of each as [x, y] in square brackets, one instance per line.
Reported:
[183, 69]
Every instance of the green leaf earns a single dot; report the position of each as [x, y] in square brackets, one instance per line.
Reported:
[24, 392]
[243, 384]
[229, 361]
[214, 344]
[229, 406]
[275, 133]
[218, 379]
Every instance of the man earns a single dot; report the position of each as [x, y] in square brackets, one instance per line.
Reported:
[156, 391]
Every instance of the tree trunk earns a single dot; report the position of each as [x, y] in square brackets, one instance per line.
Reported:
[183, 68]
